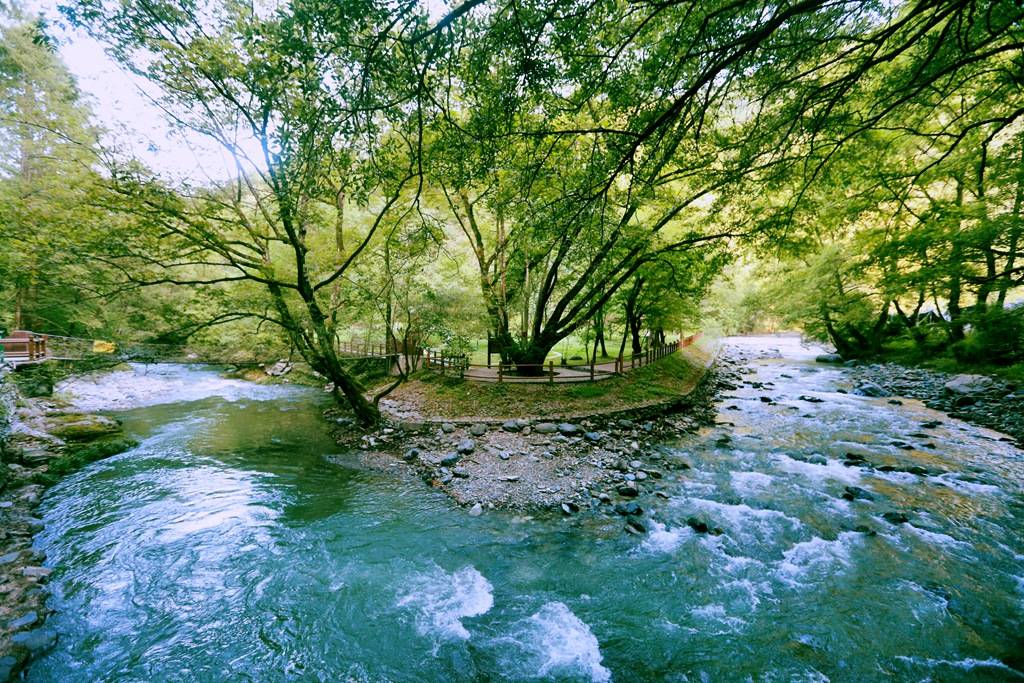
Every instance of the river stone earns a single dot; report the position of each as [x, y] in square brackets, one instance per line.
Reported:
[697, 525]
[593, 437]
[7, 665]
[84, 427]
[856, 493]
[27, 619]
[829, 358]
[968, 384]
[478, 429]
[604, 497]
[641, 475]
[460, 472]
[627, 509]
[568, 429]
[34, 641]
[546, 428]
[447, 428]
[637, 527]
[411, 454]
[870, 389]
[635, 464]
[628, 490]
[895, 517]
[450, 459]
[466, 446]
[476, 510]
[36, 572]
[511, 426]
[9, 557]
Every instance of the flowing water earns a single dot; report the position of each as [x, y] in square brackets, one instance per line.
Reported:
[225, 548]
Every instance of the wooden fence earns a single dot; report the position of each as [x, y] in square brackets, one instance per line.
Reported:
[438, 361]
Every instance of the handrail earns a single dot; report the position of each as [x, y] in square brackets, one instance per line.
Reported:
[502, 372]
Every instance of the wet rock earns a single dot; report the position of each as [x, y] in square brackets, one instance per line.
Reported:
[964, 401]
[870, 389]
[634, 526]
[635, 464]
[857, 493]
[34, 641]
[478, 429]
[628, 490]
[865, 529]
[569, 507]
[466, 446]
[511, 426]
[641, 475]
[895, 517]
[968, 384]
[627, 509]
[604, 497]
[568, 429]
[460, 472]
[9, 557]
[812, 399]
[24, 621]
[84, 427]
[828, 358]
[411, 454]
[476, 510]
[766, 399]
[450, 459]
[447, 428]
[697, 525]
[7, 666]
[894, 402]
[36, 572]
[624, 424]
[593, 437]
[546, 428]
[853, 363]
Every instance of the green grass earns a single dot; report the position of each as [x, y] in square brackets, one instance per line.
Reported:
[438, 396]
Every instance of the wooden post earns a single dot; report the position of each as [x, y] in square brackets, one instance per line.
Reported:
[551, 372]
[592, 369]
[501, 367]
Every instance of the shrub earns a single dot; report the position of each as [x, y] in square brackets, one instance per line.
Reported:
[996, 338]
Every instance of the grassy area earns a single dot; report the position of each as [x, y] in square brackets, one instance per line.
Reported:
[432, 395]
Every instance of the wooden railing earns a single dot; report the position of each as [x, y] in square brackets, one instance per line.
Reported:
[24, 346]
[459, 365]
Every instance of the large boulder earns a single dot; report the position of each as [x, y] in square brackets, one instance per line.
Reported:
[870, 389]
[965, 385]
[829, 358]
[81, 427]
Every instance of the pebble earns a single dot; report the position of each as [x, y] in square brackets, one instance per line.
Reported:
[478, 429]
[466, 446]
[447, 428]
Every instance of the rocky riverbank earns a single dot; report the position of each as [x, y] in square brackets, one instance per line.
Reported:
[608, 462]
[40, 441]
[979, 399]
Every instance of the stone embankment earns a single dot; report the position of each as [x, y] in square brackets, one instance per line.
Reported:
[40, 441]
[979, 399]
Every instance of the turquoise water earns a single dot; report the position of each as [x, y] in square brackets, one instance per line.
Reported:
[225, 548]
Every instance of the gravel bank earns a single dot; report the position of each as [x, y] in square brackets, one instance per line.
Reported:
[533, 464]
[993, 403]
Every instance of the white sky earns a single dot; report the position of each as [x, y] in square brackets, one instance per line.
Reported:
[134, 123]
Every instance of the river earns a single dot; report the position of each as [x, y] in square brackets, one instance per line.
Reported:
[226, 548]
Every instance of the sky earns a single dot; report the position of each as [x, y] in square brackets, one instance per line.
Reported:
[134, 124]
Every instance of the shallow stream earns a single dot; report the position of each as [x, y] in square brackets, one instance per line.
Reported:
[225, 548]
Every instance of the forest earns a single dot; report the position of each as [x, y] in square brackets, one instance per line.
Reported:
[536, 173]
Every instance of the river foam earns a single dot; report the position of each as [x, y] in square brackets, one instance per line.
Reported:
[559, 644]
[442, 600]
[146, 385]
